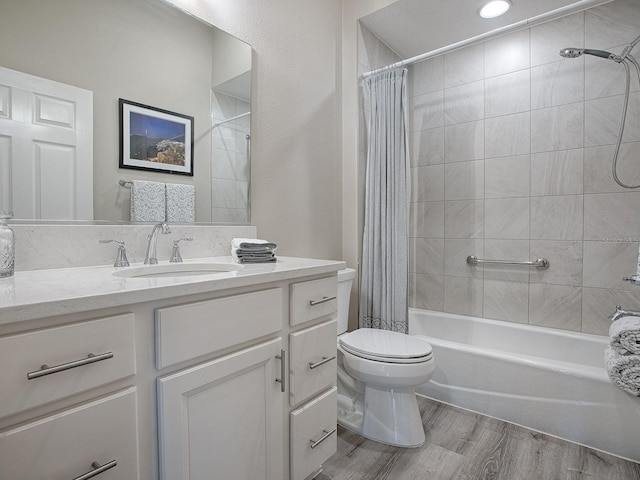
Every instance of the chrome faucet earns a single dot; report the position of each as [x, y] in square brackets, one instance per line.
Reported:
[619, 313]
[152, 255]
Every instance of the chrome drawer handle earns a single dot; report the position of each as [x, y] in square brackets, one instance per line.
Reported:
[322, 300]
[315, 443]
[321, 362]
[283, 370]
[47, 370]
[98, 469]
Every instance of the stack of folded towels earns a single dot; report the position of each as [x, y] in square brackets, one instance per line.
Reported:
[622, 356]
[253, 250]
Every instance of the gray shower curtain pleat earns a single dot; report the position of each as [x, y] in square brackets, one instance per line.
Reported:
[385, 263]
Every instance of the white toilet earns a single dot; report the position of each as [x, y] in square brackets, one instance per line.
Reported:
[378, 372]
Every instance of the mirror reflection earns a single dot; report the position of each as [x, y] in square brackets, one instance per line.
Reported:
[66, 165]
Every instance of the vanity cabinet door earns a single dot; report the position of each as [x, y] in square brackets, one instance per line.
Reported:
[223, 419]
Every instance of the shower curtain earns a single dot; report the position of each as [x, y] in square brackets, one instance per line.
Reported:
[385, 264]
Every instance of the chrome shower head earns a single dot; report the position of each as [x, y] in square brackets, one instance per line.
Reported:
[576, 52]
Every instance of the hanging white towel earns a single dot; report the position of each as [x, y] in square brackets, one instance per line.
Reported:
[625, 336]
[181, 203]
[147, 201]
[623, 370]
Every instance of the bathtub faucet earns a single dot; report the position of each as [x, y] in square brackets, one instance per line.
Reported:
[619, 313]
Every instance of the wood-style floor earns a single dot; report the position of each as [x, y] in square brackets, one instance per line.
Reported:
[462, 445]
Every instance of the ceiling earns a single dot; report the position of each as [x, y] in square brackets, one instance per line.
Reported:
[413, 27]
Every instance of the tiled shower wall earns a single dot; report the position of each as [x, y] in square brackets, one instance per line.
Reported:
[511, 150]
[230, 162]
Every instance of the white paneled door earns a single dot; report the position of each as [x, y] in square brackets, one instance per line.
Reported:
[46, 148]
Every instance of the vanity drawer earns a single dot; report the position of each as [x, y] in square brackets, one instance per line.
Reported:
[314, 436]
[109, 340]
[64, 445]
[313, 299]
[313, 361]
[185, 332]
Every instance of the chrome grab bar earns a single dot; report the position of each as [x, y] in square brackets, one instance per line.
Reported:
[321, 362]
[98, 469]
[322, 300]
[541, 263]
[47, 370]
[315, 443]
[283, 370]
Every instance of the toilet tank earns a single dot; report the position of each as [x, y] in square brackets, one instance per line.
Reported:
[345, 280]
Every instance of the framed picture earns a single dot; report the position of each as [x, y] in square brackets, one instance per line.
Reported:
[155, 139]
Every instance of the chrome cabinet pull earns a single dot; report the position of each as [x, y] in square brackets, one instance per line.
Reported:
[283, 370]
[321, 362]
[315, 443]
[98, 469]
[322, 300]
[47, 370]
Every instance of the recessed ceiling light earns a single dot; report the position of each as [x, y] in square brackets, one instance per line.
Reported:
[494, 8]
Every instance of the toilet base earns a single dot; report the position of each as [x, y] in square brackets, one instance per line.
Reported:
[391, 415]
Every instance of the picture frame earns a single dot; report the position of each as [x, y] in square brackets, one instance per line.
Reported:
[155, 139]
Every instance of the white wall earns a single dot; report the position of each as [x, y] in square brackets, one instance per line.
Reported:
[295, 165]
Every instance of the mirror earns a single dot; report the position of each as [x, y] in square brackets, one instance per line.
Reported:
[148, 52]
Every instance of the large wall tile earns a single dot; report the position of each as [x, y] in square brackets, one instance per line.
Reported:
[427, 147]
[426, 255]
[456, 251]
[426, 76]
[599, 303]
[506, 54]
[465, 65]
[426, 220]
[602, 119]
[612, 24]
[464, 103]
[463, 295]
[557, 128]
[427, 183]
[507, 218]
[507, 177]
[509, 93]
[606, 263]
[548, 38]
[604, 79]
[555, 306]
[464, 141]
[508, 135]
[565, 262]
[557, 83]
[598, 164]
[612, 216]
[557, 218]
[507, 301]
[557, 173]
[464, 180]
[464, 219]
[427, 111]
[427, 291]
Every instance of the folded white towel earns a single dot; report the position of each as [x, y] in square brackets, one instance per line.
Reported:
[625, 336]
[147, 201]
[266, 257]
[253, 244]
[181, 203]
[623, 370]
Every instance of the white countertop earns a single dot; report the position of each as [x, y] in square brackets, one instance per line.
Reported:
[44, 293]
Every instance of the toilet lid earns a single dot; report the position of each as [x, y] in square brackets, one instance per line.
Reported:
[386, 346]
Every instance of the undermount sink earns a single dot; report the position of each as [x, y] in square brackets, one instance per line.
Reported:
[175, 270]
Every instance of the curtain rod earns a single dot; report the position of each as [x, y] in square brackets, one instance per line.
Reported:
[576, 7]
[230, 119]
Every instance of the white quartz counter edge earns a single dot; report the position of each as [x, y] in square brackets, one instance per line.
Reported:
[44, 293]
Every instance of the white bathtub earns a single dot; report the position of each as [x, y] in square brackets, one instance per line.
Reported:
[545, 379]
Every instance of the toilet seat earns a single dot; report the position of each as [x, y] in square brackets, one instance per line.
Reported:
[386, 346]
